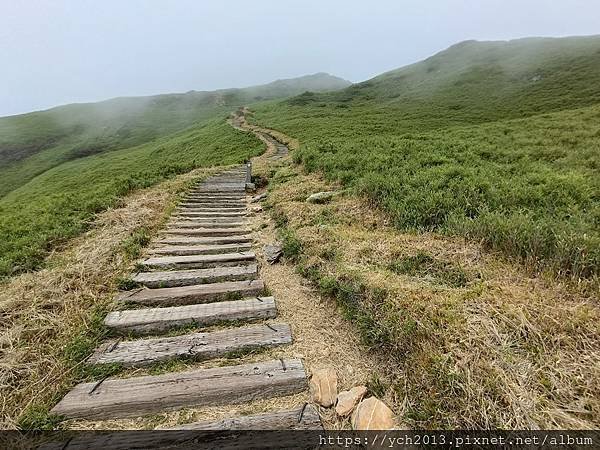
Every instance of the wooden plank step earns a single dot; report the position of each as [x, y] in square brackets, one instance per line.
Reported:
[209, 219]
[221, 189]
[212, 204]
[218, 195]
[228, 182]
[199, 261]
[199, 231]
[188, 207]
[225, 434]
[203, 240]
[188, 295]
[216, 215]
[215, 210]
[224, 201]
[180, 250]
[137, 396]
[154, 320]
[198, 346]
[174, 278]
[195, 224]
[303, 417]
[207, 199]
[223, 184]
[217, 204]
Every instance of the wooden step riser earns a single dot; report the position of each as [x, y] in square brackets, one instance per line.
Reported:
[157, 320]
[192, 208]
[199, 240]
[138, 396]
[200, 265]
[196, 224]
[182, 250]
[213, 205]
[199, 276]
[304, 417]
[184, 222]
[199, 261]
[210, 206]
[219, 200]
[218, 232]
[197, 346]
[217, 196]
[189, 295]
[210, 219]
[221, 190]
[192, 213]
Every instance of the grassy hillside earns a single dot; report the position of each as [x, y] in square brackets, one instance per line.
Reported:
[498, 141]
[57, 204]
[59, 167]
[33, 143]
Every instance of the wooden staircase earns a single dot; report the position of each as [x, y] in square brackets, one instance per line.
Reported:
[200, 271]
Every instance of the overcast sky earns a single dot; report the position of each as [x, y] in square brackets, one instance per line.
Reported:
[54, 52]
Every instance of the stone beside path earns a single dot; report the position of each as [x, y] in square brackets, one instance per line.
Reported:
[199, 271]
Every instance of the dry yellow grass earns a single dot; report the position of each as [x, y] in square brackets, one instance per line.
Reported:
[502, 350]
[321, 338]
[45, 311]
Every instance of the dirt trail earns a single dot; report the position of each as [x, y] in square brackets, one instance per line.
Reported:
[206, 315]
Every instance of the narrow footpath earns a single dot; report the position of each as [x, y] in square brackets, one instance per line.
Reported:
[201, 271]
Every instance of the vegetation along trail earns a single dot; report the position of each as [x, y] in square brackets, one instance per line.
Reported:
[424, 245]
[470, 339]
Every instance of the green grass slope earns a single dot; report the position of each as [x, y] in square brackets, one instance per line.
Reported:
[498, 141]
[58, 203]
[33, 143]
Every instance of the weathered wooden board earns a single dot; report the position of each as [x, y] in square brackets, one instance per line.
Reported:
[189, 295]
[221, 184]
[211, 206]
[210, 219]
[209, 213]
[218, 196]
[199, 261]
[301, 418]
[193, 345]
[222, 189]
[206, 240]
[191, 208]
[199, 249]
[213, 200]
[195, 224]
[154, 320]
[196, 276]
[199, 231]
[229, 200]
[114, 398]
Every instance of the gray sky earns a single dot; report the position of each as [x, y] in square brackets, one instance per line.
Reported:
[54, 52]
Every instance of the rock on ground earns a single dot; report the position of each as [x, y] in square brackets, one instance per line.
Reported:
[273, 252]
[347, 400]
[258, 198]
[321, 197]
[373, 414]
[323, 386]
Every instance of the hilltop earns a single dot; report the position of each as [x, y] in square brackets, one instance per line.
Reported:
[497, 141]
[464, 244]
